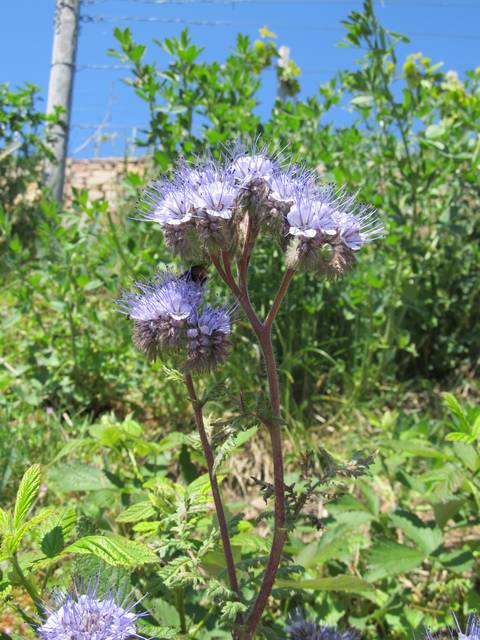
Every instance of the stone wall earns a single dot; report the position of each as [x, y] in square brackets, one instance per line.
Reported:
[102, 177]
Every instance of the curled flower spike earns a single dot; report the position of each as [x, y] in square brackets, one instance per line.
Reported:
[326, 229]
[88, 616]
[160, 311]
[207, 338]
[302, 629]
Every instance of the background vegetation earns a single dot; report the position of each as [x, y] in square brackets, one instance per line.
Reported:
[384, 360]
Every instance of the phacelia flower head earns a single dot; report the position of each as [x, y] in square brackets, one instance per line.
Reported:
[301, 629]
[83, 614]
[472, 630]
[326, 228]
[170, 204]
[214, 198]
[160, 311]
[207, 338]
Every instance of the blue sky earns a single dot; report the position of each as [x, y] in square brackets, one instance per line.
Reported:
[445, 30]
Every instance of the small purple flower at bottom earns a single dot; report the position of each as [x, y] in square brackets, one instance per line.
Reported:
[89, 616]
[207, 338]
[472, 630]
[302, 629]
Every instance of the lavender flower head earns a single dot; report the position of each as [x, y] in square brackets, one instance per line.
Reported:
[170, 319]
[213, 206]
[472, 630]
[301, 629]
[87, 616]
[326, 228]
[208, 338]
[160, 311]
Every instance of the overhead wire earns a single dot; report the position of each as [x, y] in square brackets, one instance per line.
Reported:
[229, 23]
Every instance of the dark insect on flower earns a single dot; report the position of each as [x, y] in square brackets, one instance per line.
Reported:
[196, 273]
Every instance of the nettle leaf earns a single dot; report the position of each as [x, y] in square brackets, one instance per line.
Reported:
[74, 477]
[114, 550]
[16, 538]
[231, 609]
[347, 584]
[26, 494]
[426, 536]
[389, 559]
[445, 510]
[5, 521]
[137, 512]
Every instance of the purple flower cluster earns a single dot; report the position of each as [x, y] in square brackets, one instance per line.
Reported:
[301, 629]
[87, 616]
[170, 319]
[202, 207]
[472, 630]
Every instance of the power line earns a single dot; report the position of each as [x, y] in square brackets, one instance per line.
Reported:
[228, 23]
[197, 23]
[383, 3]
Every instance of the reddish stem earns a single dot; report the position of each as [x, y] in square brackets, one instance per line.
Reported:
[207, 450]
[263, 331]
[287, 278]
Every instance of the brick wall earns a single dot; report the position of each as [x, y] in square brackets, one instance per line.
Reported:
[102, 177]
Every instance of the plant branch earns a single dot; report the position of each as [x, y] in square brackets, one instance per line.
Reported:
[287, 278]
[207, 450]
[28, 586]
[264, 337]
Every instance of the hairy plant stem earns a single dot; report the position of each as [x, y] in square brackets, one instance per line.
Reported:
[28, 586]
[208, 453]
[263, 332]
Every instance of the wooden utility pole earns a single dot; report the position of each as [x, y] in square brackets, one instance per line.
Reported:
[60, 88]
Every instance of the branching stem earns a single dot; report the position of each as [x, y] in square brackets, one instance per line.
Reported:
[263, 332]
[208, 453]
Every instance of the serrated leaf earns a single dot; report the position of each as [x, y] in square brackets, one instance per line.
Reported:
[426, 536]
[387, 559]
[26, 494]
[115, 550]
[137, 512]
[455, 407]
[16, 538]
[348, 584]
[5, 521]
[231, 444]
[446, 510]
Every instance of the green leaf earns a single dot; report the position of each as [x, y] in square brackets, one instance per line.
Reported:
[5, 521]
[362, 101]
[389, 559]
[348, 584]
[454, 406]
[26, 494]
[446, 510]
[78, 477]
[16, 538]
[435, 131]
[137, 512]
[426, 536]
[114, 550]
